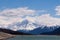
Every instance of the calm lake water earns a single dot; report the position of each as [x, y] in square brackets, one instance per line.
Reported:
[35, 37]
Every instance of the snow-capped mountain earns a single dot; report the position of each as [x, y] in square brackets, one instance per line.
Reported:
[42, 30]
[24, 25]
[55, 32]
[27, 26]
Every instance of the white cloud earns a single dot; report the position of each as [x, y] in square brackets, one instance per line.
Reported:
[44, 19]
[17, 12]
[48, 20]
[10, 16]
[5, 21]
[30, 19]
[57, 10]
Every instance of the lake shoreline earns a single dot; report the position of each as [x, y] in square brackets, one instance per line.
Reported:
[35, 37]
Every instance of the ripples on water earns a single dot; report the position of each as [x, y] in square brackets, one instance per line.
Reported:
[35, 37]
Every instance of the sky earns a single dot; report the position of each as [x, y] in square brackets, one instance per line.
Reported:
[48, 5]
[45, 12]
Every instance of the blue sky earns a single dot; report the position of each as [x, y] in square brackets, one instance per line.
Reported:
[31, 4]
[45, 12]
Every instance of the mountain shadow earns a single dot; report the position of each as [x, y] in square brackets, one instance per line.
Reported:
[13, 32]
[55, 32]
[39, 30]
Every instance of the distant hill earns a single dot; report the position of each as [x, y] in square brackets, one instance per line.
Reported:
[55, 32]
[28, 27]
[39, 30]
[12, 32]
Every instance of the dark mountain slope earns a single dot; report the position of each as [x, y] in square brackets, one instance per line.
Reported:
[39, 30]
[12, 32]
[55, 32]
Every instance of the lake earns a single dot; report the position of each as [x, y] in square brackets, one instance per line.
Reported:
[35, 37]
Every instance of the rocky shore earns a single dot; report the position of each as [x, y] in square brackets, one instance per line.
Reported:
[4, 36]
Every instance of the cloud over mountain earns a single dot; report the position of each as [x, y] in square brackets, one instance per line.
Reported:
[57, 10]
[17, 12]
[10, 16]
[48, 20]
